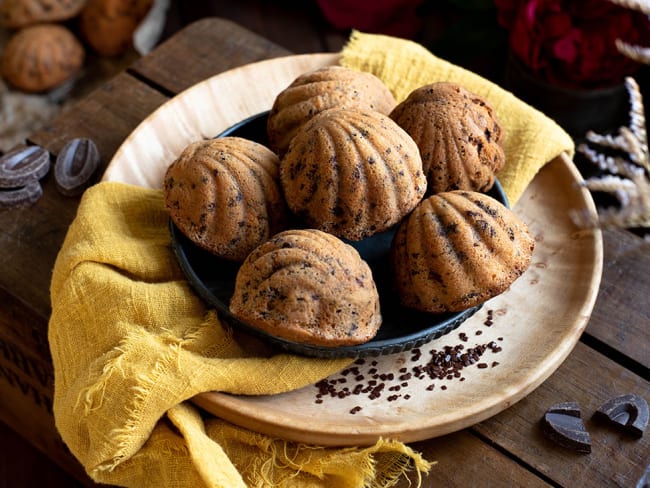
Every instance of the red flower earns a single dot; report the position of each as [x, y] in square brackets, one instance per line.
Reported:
[507, 12]
[572, 42]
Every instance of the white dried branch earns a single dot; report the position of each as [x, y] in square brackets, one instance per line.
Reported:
[637, 112]
[637, 53]
[636, 213]
[607, 140]
[634, 210]
[609, 184]
[642, 6]
[612, 164]
[628, 180]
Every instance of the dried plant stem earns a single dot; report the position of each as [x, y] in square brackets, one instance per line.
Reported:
[642, 6]
[637, 53]
[628, 180]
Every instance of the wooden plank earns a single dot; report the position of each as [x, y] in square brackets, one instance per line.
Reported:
[170, 67]
[21, 465]
[27, 383]
[102, 117]
[30, 238]
[589, 378]
[301, 30]
[464, 460]
[298, 27]
[621, 317]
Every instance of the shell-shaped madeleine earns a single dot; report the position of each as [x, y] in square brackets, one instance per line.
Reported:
[458, 134]
[224, 195]
[318, 90]
[458, 249]
[352, 173]
[41, 57]
[310, 287]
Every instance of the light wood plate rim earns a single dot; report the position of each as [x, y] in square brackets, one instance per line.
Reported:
[198, 113]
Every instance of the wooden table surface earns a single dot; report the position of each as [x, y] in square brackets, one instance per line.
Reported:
[509, 449]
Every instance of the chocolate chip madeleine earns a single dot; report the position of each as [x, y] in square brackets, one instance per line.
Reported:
[310, 287]
[458, 135]
[458, 249]
[223, 194]
[352, 173]
[321, 89]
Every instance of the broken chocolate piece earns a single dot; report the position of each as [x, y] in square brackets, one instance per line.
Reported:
[628, 411]
[75, 166]
[21, 197]
[22, 166]
[563, 425]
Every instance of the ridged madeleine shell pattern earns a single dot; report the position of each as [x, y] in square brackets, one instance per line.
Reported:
[41, 57]
[224, 195]
[458, 249]
[352, 173]
[324, 88]
[308, 286]
[458, 134]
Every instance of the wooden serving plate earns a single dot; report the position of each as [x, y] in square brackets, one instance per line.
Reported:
[533, 326]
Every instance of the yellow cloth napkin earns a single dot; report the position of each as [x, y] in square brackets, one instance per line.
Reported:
[131, 343]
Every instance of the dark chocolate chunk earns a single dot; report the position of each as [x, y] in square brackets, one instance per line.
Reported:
[20, 167]
[75, 166]
[628, 411]
[21, 197]
[563, 425]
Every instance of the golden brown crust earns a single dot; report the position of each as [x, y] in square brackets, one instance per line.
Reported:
[352, 173]
[108, 25]
[41, 57]
[308, 286]
[324, 88]
[21, 13]
[223, 194]
[458, 134]
[458, 249]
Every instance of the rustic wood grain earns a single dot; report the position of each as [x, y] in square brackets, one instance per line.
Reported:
[31, 237]
[104, 116]
[215, 45]
[25, 467]
[297, 26]
[589, 378]
[621, 318]
[464, 460]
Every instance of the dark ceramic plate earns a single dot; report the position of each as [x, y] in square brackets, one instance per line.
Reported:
[402, 328]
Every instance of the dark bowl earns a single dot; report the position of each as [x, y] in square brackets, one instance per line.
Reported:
[402, 328]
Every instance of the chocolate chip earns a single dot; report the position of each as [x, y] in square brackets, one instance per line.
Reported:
[562, 424]
[75, 166]
[22, 166]
[20, 197]
[628, 411]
